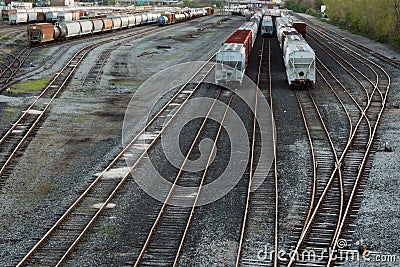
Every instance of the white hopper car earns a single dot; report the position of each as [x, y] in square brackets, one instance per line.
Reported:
[299, 59]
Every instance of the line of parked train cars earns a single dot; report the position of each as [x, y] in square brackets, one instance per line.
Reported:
[47, 32]
[38, 14]
[233, 55]
[298, 56]
[174, 17]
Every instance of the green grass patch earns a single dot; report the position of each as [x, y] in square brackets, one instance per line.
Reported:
[107, 229]
[5, 38]
[47, 133]
[10, 110]
[77, 119]
[29, 86]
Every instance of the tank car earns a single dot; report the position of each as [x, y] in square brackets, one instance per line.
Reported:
[163, 20]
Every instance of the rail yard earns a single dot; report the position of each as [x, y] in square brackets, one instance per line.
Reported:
[194, 138]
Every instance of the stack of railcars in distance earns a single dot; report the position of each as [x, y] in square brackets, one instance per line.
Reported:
[40, 33]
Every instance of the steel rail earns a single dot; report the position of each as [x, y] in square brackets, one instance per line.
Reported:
[190, 219]
[89, 47]
[33, 125]
[247, 205]
[364, 160]
[394, 63]
[337, 167]
[100, 176]
[274, 137]
[165, 203]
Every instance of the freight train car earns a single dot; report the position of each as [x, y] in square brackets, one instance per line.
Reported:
[232, 57]
[299, 59]
[46, 32]
[251, 26]
[18, 17]
[267, 27]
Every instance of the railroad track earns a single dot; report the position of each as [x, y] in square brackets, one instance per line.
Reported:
[61, 239]
[261, 206]
[10, 70]
[165, 241]
[21, 131]
[334, 204]
[13, 78]
[64, 46]
[94, 73]
[328, 33]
